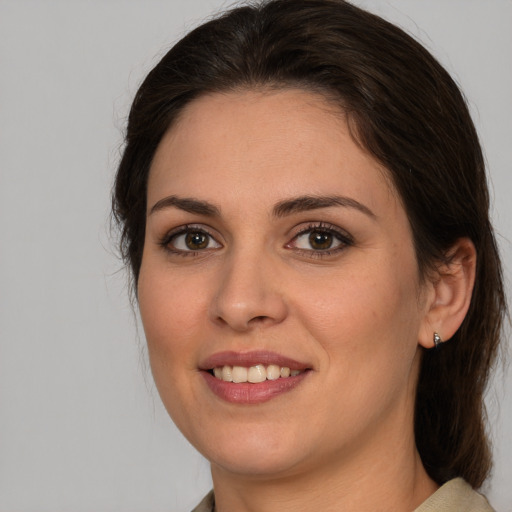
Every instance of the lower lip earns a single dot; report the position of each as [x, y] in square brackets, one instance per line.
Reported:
[248, 393]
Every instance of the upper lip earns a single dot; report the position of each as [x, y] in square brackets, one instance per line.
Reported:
[252, 358]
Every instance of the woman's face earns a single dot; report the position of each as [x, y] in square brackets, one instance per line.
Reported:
[275, 242]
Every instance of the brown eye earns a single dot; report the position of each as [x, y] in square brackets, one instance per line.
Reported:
[190, 240]
[196, 240]
[320, 240]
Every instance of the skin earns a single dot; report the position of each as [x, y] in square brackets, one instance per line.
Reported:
[356, 314]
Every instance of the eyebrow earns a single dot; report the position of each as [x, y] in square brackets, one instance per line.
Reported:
[187, 204]
[281, 209]
[306, 203]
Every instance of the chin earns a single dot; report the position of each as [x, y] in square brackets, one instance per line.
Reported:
[255, 463]
[259, 453]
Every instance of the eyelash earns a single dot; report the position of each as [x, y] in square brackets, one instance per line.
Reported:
[342, 237]
[172, 235]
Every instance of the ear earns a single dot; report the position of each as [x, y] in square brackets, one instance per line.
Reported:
[449, 294]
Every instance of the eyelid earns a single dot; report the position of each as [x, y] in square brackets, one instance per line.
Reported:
[304, 227]
[345, 239]
[169, 236]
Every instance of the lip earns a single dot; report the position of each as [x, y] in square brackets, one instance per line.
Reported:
[251, 358]
[246, 393]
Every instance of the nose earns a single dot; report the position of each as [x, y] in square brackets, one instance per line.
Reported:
[248, 294]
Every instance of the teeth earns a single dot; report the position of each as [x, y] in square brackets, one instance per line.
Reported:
[254, 374]
[227, 374]
[257, 373]
[273, 372]
[239, 374]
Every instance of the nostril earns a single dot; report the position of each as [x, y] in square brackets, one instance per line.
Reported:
[260, 319]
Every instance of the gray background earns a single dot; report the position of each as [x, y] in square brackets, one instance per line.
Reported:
[81, 426]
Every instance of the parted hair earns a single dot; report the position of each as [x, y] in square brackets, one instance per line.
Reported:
[409, 114]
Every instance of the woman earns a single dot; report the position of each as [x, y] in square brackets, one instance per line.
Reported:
[304, 208]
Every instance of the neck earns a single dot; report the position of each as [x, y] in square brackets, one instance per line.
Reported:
[381, 488]
[386, 475]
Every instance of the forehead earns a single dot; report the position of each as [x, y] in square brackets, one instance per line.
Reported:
[239, 142]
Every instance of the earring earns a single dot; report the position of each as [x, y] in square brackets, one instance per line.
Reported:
[437, 341]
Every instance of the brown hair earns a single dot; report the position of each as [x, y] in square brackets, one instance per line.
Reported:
[410, 115]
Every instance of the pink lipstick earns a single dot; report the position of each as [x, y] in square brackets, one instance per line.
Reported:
[252, 377]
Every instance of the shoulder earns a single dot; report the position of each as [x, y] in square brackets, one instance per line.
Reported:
[454, 496]
[207, 504]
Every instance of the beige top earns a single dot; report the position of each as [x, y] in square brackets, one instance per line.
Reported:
[454, 496]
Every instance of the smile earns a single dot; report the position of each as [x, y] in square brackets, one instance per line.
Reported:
[252, 377]
[253, 374]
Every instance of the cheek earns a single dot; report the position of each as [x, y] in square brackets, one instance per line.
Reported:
[367, 321]
[172, 315]
[172, 312]
[366, 301]
[368, 331]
